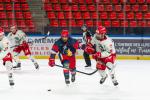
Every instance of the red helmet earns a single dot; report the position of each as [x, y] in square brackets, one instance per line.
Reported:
[101, 30]
[64, 33]
[1, 31]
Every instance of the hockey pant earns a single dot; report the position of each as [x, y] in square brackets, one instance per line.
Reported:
[102, 71]
[87, 58]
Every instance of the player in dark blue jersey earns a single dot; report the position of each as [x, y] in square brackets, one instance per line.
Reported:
[66, 46]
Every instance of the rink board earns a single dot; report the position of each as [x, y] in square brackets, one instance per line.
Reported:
[119, 57]
[126, 47]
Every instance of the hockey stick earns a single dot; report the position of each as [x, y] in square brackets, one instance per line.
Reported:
[78, 70]
[43, 37]
[31, 42]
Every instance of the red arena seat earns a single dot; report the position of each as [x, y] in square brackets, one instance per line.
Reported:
[54, 23]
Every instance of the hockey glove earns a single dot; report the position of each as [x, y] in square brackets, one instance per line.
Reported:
[98, 66]
[96, 55]
[89, 49]
[51, 62]
[8, 57]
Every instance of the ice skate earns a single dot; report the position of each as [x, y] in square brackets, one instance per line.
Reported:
[36, 66]
[11, 83]
[67, 82]
[73, 78]
[103, 79]
[115, 83]
[114, 80]
[17, 67]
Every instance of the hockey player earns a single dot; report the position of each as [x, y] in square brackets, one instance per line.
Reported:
[87, 36]
[103, 50]
[66, 46]
[6, 56]
[18, 40]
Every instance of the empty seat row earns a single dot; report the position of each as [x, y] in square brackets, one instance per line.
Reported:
[96, 15]
[91, 23]
[70, 1]
[23, 7]
[18, 15]
[25, 25]
[8, 1]
[97, 1]
[19, 23]
[66, 7]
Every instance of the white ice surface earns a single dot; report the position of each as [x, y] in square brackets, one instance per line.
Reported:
[132, 75]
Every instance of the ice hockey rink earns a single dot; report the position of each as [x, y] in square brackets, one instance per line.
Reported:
[132, 75]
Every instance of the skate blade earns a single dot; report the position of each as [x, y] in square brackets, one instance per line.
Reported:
[116, 85]
[16, 68]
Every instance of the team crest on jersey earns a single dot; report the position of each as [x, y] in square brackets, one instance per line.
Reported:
[101, 47]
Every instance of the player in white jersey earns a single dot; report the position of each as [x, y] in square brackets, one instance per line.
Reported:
[103, 50]
[18, 40]
[5, 55]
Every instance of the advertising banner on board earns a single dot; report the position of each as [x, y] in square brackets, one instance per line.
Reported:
[124, 46]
